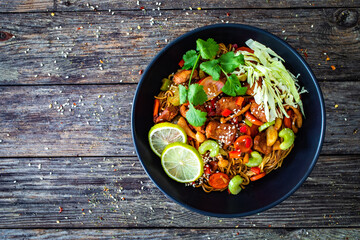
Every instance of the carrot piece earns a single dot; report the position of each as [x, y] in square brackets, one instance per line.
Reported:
[253, 119]
[156, 107]
[234, 154]
[240, 101]
[287, 121]
[257, 177]
[246, 158]
[219, 180]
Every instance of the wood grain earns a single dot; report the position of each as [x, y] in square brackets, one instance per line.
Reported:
[115, 192]
[81, 5]
[101, 5]
[26, 5]
[99, 123]
[161, 233]
[98, 47]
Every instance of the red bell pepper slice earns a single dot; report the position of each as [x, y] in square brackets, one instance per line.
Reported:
[226, 112]
[256, 170]
[181, 63]
[245, 49]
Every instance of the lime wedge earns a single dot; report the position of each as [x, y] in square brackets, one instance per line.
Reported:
[162, 134]
[182, 162]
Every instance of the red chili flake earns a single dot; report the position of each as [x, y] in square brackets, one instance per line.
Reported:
[115, 170]
[142, 8]
[141, 72]
[269, 225]
[305, 54]
[333, 67]
[228, 14]
[82, 209]
[237, 233]
[74, 104]
[60, 209]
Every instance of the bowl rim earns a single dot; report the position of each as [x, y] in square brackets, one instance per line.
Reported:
[312, 77]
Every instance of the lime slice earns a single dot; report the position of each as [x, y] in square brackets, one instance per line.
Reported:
[182, 162]
[162, 134]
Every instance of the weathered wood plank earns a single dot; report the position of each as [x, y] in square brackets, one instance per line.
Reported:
[82, 5]
[148, 5]
[99, 123]
[98, 47]
[26, 5]
[270, 234]
[116, 192]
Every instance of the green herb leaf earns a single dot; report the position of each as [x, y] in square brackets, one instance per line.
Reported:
[212, 68]
[208, 48]
[196, 94]
[189, 59]
[183, 94]
[233, 87]
[229, 62]
[240, 90]
[195, 117]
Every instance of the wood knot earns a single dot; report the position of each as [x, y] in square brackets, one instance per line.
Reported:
[346, 18]
[5, 36]
[67, 3]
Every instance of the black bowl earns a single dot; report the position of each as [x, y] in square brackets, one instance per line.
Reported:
[259, 195]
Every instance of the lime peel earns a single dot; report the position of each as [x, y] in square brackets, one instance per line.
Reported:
[163, 134]
[182, 162]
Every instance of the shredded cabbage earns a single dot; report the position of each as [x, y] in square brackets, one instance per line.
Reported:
[278, 88]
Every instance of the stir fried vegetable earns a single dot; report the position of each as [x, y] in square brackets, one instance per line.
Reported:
[240, 109]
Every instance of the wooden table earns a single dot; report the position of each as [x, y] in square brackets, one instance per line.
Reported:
[68, 75]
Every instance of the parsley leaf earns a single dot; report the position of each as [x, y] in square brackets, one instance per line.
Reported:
[212, 68]
[196, 94]
[208, 48]
[195, 117]
[229, 62]
[190, 59]
[183, 92]
[233, 87]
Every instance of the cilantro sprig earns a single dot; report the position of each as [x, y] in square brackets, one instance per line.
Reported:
[195, 93]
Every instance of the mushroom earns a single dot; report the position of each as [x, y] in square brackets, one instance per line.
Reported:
[198, 136]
